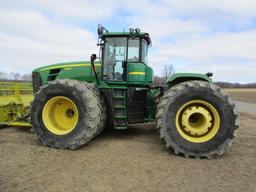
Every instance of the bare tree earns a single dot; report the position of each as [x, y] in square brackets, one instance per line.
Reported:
[168, 69]
[15, 76]
[3, 75]
[158, 80]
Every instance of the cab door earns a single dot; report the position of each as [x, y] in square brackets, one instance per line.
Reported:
[115, 53]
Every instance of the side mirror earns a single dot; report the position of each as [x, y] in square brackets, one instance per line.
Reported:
[100, 30]
[209, 74]
[93, 58]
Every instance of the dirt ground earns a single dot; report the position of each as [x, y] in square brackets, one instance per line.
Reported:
[130, 160]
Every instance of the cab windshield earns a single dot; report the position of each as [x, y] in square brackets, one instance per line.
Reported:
[119, 51]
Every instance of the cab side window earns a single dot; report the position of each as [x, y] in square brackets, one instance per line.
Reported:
[133, 50]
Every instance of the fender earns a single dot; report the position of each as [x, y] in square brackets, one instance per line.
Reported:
[181, 77]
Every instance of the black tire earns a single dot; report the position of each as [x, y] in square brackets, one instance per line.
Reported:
[103, 105]
[175, 98]
[90, 113]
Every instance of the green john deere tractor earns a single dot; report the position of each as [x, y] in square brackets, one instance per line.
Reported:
[75, 101]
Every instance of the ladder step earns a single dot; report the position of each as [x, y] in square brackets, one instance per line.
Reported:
[122, 88]
[120, 117]
[119, 107]
[119, 104]
[119, 97]
[120, 127]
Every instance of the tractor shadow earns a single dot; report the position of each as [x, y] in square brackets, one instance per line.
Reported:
[136, 130]
[22, 130]
[136, 134]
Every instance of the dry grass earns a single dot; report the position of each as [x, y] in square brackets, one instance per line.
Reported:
[247, 95]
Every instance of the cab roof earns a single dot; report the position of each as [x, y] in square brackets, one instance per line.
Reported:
[128, 34]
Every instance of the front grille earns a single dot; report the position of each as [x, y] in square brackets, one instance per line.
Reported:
[37, 81]
[53, 74]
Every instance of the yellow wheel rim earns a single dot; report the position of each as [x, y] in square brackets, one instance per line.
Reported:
[197, 121]
[60, 115]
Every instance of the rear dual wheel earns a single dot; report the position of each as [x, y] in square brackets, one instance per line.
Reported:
[197, 119]
[60, 115]
[67, 114]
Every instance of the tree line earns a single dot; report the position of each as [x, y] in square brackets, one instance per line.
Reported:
[235, 85]
[15, 76]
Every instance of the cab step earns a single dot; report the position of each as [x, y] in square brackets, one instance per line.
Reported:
[119, 97]
[119, 107]
[120, 117]
[121, 127]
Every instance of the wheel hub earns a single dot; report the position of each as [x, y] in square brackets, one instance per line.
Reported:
[60, 115]
[70, 113]
[197, 121]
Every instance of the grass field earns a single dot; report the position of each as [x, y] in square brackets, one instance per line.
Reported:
[247, 95]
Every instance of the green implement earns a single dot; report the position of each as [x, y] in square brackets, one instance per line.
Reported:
[15, 99]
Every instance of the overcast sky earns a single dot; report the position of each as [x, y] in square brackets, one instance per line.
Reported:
[194, 36]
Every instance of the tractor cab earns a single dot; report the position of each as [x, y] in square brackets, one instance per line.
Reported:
[124, 56]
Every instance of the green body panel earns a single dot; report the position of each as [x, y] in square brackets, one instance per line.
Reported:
[181, 77]
[80, 70]
[139, 72]
[149, 75]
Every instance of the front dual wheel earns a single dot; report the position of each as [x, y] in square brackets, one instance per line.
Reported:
[196, 119]
[67, 114]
